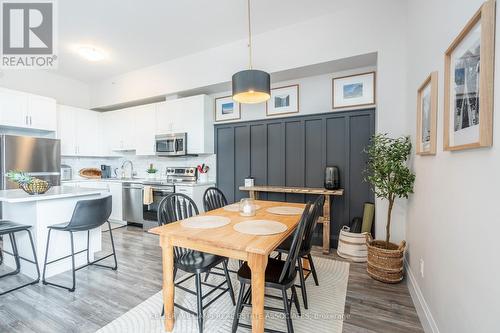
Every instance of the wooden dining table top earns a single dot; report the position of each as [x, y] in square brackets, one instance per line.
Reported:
[226, 241]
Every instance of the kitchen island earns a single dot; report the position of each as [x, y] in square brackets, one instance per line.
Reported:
[39, 211]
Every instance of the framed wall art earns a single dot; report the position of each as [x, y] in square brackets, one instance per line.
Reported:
[283, 100]
[427, 115]
[468, 90]
[353, 90]
[227, 109]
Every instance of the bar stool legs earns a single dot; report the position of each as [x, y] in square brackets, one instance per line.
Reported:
[72, 255]
[17, 258]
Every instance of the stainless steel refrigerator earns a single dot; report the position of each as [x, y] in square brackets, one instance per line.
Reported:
[39, 157]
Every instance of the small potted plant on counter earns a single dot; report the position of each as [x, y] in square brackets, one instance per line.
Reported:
[390, 177]
[151, 171]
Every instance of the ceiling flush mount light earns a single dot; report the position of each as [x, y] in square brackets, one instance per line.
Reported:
[251, 85]
[91, 53]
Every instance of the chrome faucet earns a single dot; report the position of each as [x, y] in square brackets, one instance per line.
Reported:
[132, 173]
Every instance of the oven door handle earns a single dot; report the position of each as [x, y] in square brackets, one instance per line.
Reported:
[162, 190]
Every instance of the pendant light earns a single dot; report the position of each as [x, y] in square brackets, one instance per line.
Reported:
[251, 86]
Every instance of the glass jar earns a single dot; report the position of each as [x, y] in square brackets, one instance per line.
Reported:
[247, 207]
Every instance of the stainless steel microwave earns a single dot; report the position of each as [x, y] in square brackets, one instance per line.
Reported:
[171, 144]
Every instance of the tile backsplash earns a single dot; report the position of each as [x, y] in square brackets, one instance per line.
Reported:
[141, 163]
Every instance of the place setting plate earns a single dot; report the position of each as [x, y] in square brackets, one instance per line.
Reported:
[205, 222]
[236, 207]
[285, 210]
[260, 227]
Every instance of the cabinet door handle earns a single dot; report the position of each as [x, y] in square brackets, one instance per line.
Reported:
[26, 120]
[30, 120]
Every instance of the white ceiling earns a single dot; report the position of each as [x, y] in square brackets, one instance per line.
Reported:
[139, 33]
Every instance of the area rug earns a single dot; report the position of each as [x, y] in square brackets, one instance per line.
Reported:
[325, 313]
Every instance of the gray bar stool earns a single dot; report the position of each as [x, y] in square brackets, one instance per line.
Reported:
[88, 214]
[10, 228]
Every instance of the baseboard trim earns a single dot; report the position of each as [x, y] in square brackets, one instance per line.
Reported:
[424, 313]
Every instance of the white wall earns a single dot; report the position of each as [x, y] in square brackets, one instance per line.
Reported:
[65, 90]
[315, 96]
[367, 26]
[452, 217]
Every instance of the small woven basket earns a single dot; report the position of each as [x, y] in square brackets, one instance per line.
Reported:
[385, 263]
[39, 187]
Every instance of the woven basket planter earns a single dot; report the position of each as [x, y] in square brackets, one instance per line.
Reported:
[352, 245]
[385, 264]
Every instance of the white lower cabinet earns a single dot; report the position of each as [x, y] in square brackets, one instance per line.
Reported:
[116, 192]
[194, 192]
[114, 188]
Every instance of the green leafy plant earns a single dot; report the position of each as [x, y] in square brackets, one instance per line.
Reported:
[387, 171]
[19, 177]
[151, 169]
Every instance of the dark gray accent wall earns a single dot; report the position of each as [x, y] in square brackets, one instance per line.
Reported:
[294, 151]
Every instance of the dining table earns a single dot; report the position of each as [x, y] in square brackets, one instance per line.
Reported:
[227, 242]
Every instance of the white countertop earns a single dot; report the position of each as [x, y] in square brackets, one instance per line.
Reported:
[134, 180]
[56, 192]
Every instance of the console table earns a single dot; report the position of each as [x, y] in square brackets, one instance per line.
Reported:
[325, 220]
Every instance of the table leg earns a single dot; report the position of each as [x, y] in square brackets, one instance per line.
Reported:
[326, 225]
[168, 283]
[258, 265]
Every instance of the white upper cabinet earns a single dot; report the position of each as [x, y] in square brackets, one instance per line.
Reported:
[119, 129]
[144, 125]
[23, 110]
[42, 113]
[192, 115]
[80, 131]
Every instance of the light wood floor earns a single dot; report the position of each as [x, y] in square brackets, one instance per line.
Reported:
[102, 295]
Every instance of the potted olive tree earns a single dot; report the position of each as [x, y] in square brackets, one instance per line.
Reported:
[390, 177]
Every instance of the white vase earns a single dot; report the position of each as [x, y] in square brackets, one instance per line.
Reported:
[202, 177]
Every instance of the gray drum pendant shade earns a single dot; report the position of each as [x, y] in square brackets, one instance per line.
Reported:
[251, 86]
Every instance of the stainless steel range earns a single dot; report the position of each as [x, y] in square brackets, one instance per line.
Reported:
[178, 175]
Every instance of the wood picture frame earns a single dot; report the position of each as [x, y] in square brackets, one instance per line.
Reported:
[219, 104]
[471, 110]
[427, 104]
[368, 94]
[293, 103]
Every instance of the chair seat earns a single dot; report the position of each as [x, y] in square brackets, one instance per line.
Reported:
[273, 272]
[7, 227]
[197, 262]
[64, 227]
[285, 246]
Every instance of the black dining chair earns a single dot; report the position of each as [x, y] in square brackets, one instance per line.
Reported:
[279, 275]
[10, 228]
[213, 198]
[87, 215]
[177, 207]
[305, 249]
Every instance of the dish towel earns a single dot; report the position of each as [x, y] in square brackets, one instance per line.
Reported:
[148, 195]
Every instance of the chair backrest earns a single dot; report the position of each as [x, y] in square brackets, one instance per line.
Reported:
[311, 224]
[173, 208]
[90, 214]
[289, 266]
[213, 199]
[176, 207]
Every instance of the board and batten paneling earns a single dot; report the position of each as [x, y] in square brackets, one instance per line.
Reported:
[294, 151]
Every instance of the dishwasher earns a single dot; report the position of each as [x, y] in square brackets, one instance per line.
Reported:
[132, 203]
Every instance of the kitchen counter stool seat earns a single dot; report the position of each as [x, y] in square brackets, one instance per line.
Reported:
[11, 228]
[87, 215]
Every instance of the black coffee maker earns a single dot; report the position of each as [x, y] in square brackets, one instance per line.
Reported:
[105, 171]
[332, 178]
